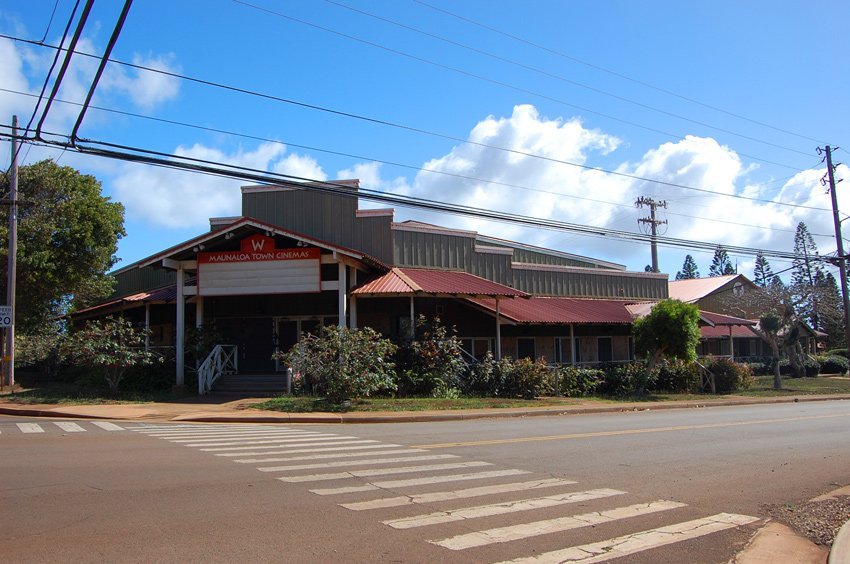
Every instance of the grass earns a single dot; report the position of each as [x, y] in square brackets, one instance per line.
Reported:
[823, 385]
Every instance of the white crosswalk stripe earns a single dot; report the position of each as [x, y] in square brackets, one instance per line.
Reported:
[466, 493]
[30, 427]
[499, 508]
[250, 441]
[323, 442]
[383, 471]
[639, 542]
[329, 456]
[69, 427]
[107, 426]
[412, 482]
[559, 524]
[324, 448]
[340, 464]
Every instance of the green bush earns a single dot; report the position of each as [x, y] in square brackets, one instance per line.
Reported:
[833, 364]
[524, 378]
[730, 376]
[482, 379]
[760, 368]
[576, 382]
[623, 380]
[811, 366]
[342, 363]
[677, 376]
[433, 364]
[837, 352]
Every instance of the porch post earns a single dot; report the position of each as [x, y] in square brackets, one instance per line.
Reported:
[343, 285]
[498, 331]
[572, 346]
[147, 326]
[412, 318]
[731, 345]
[181, 314]
[199, 311]
[352, 312]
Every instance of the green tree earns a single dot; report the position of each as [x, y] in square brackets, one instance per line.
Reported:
[762, 273]
[67, 238]
[806, 267]
[689, 269]
[112, 346]
[670, 330]
[720, 263]
[831, 308]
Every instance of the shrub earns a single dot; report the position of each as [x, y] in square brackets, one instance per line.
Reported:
[760, 368]
[627, 379]
[524, 378]
[837, 352]
[576, 382]
[482, 378]
[342, 363]
[833, 364]
[45, 351]
[432, 364]
[730, 376]
[678, 376]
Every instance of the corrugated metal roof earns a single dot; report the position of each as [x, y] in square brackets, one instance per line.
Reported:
[722, 332]
[411, 281]
[725, 320]
[694, 289]
[164, 294]
[540, 310]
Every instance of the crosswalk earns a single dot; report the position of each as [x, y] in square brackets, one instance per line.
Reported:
[60, 427]
[459, 505]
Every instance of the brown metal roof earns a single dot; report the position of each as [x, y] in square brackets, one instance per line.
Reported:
[160, 295]
[412, 281]
[539, 310]
[720, 319]
[722, 332]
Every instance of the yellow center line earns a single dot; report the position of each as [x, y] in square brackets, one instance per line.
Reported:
[630, 431]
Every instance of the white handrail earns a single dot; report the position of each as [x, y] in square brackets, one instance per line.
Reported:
[223, 359]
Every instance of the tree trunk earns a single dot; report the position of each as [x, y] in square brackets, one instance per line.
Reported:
[777, 377]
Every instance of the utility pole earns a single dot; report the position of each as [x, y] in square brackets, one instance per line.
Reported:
[9, 357]
[839, 241]
[653, 224]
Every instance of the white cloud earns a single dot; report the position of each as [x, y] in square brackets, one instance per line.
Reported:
[300, 166]
[147, 89]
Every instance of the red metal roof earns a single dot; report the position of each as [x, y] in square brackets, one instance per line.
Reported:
[722, 332]
[539, 309]
[694, 289]
[720, 319]
[410, 281]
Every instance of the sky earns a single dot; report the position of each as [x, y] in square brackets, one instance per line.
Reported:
[551, 109]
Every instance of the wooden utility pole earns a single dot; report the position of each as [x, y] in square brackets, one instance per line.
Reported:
[653, 224]
[839, 242]
[9, 356]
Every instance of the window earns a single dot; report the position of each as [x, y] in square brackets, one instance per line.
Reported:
[577, 344]
[477, 347]
[604, 349]
[525, 347]
[563, 351]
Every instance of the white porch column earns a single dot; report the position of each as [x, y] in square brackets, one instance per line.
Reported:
[147, 326]
[199, 311]
[352, 312]
[412, 320]
[498, 331]
[181, 322]
[343, 286]
[572, 346]
[731, 345]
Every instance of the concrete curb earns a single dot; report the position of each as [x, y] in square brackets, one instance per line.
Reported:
[840, 552]
[195, 412]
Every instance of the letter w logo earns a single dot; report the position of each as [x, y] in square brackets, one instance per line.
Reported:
[258, 244]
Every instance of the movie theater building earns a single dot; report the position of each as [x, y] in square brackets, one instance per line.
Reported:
[299, 258]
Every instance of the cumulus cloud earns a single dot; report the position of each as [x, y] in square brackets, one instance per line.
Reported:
[147, 89]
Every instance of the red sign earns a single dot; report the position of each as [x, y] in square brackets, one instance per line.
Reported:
[258, 248]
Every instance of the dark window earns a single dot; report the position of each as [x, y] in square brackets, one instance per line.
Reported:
[525, 348]
[604, 349]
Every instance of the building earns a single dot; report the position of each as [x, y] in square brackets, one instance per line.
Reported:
[300, 257]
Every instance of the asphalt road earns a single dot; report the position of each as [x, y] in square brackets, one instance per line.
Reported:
[651, 486]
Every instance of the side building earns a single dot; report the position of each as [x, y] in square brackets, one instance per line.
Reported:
[301, 256]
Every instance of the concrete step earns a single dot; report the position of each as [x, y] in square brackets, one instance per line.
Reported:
[251, 383]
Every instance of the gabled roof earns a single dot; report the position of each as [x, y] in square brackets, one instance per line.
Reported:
[554, 310]
[161, 295]
[186, 248]
[717, 319]
[420, 281]
[694, 289]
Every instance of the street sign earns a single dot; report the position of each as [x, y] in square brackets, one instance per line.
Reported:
[5, 316]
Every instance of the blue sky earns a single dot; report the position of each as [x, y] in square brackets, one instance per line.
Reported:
[727, 96]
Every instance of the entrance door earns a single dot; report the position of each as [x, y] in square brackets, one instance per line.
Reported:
[255, 339]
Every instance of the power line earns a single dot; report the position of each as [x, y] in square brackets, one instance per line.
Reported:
[494, 81]
[402, 165]
[50, 21]
[612, 72]
[550, 74]
[417, 130]
[191, 164]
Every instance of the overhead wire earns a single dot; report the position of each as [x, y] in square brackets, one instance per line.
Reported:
[402, 165]
[50, 21]
[417, 130]
[613, 72]
[495, 81]
[554, 76]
